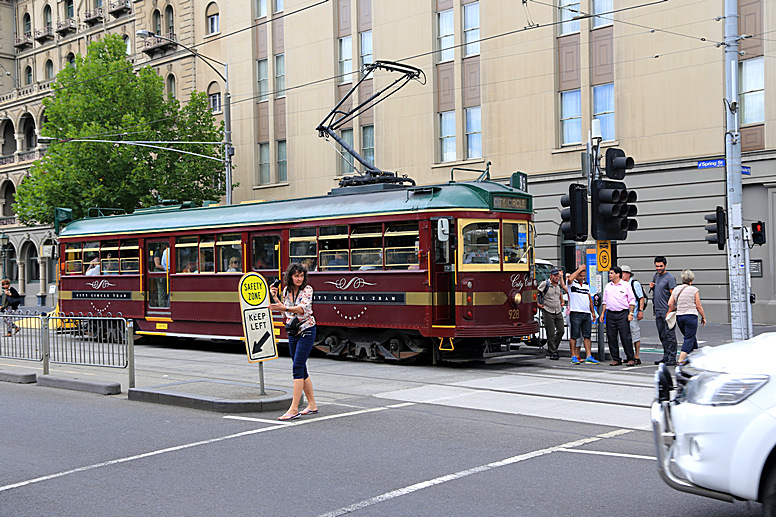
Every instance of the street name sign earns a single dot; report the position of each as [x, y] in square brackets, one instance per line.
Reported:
[257, 318]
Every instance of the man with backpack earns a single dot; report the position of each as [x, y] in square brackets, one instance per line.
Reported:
[551, 303]
[638, 310]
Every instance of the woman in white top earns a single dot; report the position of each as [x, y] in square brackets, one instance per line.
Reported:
[686, 301]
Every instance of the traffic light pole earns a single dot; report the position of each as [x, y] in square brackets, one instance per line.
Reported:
[738, 256]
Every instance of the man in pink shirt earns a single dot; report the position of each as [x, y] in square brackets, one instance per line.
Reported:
[618, 304]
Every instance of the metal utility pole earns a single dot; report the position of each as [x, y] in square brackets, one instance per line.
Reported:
[738, 263]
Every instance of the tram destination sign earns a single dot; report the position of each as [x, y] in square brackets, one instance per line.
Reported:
[510, 203]
[102, 295]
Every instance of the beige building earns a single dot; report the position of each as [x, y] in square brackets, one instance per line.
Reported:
[509, 83]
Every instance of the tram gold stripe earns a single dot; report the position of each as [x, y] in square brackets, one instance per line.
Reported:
[205, 296]
[492, 298]
[417, 298]
[151, 318]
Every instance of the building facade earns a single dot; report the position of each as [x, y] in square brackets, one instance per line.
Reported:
[508, 83]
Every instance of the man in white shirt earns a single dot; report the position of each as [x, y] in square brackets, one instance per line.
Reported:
[581, 316]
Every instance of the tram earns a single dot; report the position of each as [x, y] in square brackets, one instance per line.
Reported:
[445, 271]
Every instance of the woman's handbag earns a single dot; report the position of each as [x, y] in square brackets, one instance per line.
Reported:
[671, 319]
[292, 327]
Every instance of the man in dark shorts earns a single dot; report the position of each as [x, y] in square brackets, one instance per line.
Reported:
[582, 313]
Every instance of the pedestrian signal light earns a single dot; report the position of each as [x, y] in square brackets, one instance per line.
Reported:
[574, 214]
[613, 208]
[758, 233]
[716, 228]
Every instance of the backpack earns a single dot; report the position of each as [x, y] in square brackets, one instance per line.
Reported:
[638, 298]
[540, 296]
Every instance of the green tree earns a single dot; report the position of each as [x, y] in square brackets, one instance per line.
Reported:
[103, 98]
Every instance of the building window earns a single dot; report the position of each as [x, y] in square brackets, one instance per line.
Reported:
[97, 3]
[262, 70]
[346, 161]
[28, 75]
[445, 28]
[600, 7]
[214, 98]
[569, 9]
[69, 12]
[346, 59]
[169, 17]
[157, 22]
[261, 8]
[171, 86]
[27, 24]
[211, 14]
[752, 91]
[278, 5]
[264, 164]
[47, 16]
[128, 45]
[447, 136]
[603, 109]
[280, 75]
[282, 162]
[366, 48]
[571, 117]
[473, 132]
[49, 67]
[471, 29]
[70, 58]
[368, 143]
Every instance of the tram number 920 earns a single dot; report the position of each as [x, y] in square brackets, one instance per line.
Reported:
[514, 314]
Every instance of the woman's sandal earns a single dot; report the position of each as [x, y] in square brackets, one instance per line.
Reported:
[308, 411]
[289, 416]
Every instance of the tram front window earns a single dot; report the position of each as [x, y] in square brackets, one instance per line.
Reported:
[479, 243]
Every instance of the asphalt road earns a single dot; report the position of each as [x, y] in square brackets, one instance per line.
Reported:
[541, 438]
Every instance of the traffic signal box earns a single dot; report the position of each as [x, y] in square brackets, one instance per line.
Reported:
[716, 228]
[612, 207]
[617, 163]
[574, 213]
[758, 233]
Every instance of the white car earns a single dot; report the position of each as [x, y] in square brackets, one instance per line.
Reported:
[717, 436]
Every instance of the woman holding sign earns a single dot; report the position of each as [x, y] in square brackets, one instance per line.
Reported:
[297, 305]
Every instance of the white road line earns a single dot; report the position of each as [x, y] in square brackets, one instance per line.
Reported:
[276, 426]
[468, 472]
[615, 454]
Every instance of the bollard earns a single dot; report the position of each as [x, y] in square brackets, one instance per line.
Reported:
[44, 341]
[131, 351]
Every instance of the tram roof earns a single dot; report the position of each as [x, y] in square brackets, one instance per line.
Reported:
[462, 195]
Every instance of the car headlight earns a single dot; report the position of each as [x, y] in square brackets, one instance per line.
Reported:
[722, 389]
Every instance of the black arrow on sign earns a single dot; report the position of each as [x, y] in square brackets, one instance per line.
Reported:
[257, 345]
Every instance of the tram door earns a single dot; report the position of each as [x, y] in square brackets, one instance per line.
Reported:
[265, 255]
[158, 268]
[443, 273]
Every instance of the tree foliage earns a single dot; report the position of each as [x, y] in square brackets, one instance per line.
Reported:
[103, 98]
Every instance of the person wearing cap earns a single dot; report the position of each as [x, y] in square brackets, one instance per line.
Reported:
[552, 310]
[617, 310]
[638, 312]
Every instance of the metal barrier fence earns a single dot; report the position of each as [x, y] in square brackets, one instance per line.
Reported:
[106, 341]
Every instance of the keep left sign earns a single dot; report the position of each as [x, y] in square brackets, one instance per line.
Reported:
[257, 318]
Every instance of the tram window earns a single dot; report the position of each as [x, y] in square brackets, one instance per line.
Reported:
[186, 255]
[207, 262]
[480, 243]
[401, 245]
[365, 259]
[73, 263]
[265, 252]
[515, 244]
[129, 257]
[91, 258]
[333, 244]
[302, 232]
[109, 263]
[230, 253]
[304, 252]
[158, 256]
[366, 243]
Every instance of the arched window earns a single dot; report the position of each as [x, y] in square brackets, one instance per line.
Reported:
[171, 86]
[27, 23]
[49, 67]
[69, 11]
[30, 138]
[70, 58]
[28, 75]
[47, 16]
[128, 44]
[157, 22]
[97, 3]
[211, 15]
[214, 97]
[169, 18]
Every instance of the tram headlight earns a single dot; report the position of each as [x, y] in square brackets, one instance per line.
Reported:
[515, 297]
[518, 298]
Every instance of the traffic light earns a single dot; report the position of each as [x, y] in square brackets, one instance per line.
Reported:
[758, 233]
[617, 163]
[613, 208]
[574, 213]
[717, 227]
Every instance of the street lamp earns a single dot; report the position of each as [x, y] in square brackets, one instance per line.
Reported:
[4, 240]
[228, 149]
